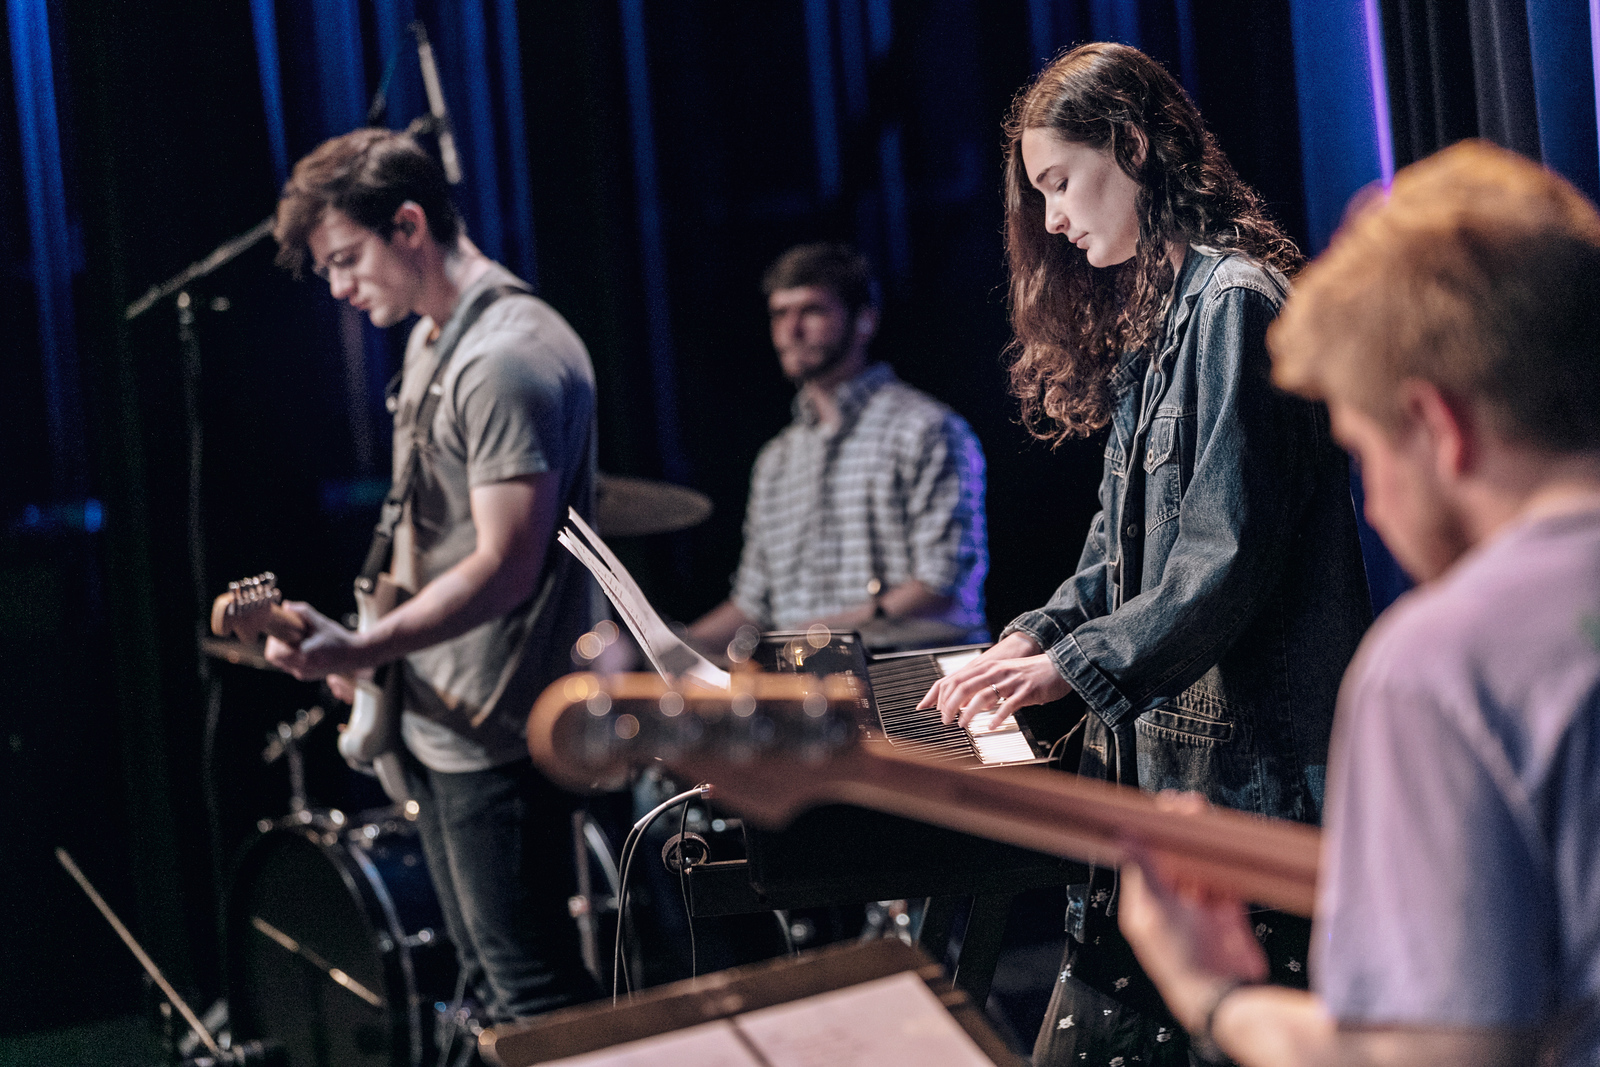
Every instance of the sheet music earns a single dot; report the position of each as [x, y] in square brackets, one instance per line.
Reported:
[666, 651]
[891, 1022]
[707, 1045]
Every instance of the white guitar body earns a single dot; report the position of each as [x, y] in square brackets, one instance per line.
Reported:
[371, 740]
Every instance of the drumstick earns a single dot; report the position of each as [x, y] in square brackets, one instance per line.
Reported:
[145, 961]
[333, 973]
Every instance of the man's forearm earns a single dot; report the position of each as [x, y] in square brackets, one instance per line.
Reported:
[479, 588]
[1270, 1026]
[712, 631]
[1197, 948]
[908, 600]
[515, 521]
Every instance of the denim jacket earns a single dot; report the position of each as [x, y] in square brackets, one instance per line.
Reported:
[1220, 593]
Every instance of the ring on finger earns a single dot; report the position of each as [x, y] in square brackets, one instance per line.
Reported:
[999, 697]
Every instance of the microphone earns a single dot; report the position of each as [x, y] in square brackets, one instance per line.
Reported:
[441, 115]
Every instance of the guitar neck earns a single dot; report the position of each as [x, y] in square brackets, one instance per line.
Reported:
[1267, 861]
[577, 742]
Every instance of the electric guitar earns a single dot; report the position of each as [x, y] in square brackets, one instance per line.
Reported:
[252, 610]
[776, 744]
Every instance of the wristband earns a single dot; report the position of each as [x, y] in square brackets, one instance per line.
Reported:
[1202, 1041]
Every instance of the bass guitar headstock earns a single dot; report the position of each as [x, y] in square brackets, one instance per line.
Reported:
[252, 609]
[590, 732]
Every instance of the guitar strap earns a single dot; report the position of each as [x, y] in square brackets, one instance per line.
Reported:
[405, 478]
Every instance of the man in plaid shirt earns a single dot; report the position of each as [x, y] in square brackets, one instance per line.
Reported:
[866, 512]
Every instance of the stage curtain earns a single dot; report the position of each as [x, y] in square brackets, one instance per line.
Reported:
[1520, 73]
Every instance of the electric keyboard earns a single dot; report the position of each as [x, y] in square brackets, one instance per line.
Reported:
[895, 682]
[837, 854]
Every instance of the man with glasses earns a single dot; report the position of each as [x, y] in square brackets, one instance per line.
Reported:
[495, 423]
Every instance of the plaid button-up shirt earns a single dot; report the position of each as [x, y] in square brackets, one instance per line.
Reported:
[893, 493]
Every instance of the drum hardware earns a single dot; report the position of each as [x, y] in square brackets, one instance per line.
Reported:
[186, 1042]
[589, 841]
[252, 1053]
[335, 943]
[334, 974]
[454, 1022]
[892, 918]
[284, 743]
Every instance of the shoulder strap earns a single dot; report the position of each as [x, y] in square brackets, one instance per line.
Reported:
[404, 481]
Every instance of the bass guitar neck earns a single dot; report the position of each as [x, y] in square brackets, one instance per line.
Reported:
[775, 745]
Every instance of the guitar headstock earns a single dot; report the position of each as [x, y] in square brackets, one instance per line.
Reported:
[590, 731]
[253, 608]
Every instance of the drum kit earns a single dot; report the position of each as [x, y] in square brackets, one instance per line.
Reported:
[335, 944]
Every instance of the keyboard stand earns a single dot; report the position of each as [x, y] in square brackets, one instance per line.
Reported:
[842, 855]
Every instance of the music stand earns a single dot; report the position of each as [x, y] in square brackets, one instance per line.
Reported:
[731, 994]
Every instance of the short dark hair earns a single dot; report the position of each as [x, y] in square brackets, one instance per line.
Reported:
[1479, 271]
[367, 174]
[830, 264]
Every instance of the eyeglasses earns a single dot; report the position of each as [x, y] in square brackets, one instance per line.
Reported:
[343, 259]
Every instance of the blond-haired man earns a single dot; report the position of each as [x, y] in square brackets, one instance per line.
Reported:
[1454, 330]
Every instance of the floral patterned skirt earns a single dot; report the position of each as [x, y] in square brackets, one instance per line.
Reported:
[1104, 1011]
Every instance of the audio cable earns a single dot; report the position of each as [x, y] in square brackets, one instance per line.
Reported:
[630, 846]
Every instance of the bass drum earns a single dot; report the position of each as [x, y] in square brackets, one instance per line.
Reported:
[336, 946]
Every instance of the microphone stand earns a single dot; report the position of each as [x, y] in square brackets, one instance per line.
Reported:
[441, 127]
[190, 355]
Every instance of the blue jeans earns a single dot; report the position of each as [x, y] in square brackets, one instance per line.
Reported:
[499, 847]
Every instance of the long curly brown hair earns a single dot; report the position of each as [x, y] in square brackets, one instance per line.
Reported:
[1071, 321]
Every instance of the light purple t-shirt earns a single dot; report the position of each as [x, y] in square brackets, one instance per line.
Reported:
[1461, 877]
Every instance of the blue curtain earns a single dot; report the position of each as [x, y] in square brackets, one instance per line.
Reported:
[320, 64]
[1520, 73]
[50, 248]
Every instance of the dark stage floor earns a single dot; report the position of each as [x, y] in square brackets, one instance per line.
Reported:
[126, 1041]
[1021, 990]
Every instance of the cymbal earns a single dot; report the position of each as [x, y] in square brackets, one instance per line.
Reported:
[625, 506]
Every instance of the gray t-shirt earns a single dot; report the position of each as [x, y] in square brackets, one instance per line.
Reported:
[1461, 878]
[518, 399]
